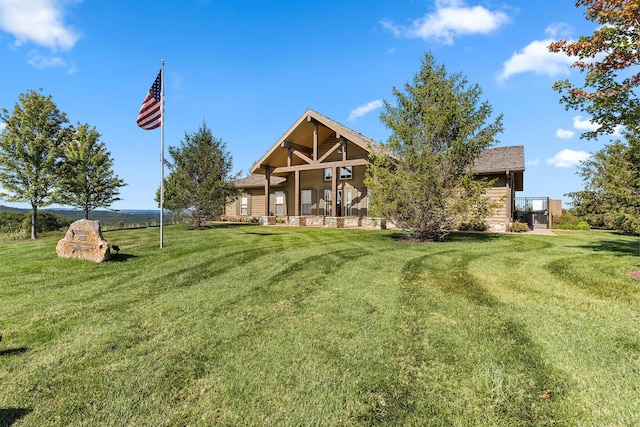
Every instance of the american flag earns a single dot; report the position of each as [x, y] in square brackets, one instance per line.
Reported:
[150, 115]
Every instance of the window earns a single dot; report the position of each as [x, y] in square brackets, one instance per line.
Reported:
[327, 202]
[328, 174]
[305, 195]
[346, 172]
[279, 205]
[348, 200]
[244, 204]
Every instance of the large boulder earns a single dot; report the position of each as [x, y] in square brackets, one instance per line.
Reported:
[84, 240]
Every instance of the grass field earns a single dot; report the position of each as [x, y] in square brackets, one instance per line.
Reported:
[250, 325]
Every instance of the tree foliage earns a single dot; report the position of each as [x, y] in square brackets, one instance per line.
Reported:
[200, 180]
[422, 179]
[30, 151]
[610, 58]
[88, 181]
[611, 198]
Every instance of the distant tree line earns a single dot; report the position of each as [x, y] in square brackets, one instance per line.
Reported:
[19, 222]
[43, 160]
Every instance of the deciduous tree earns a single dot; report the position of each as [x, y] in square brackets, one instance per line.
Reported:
[200, 180]
[30, 151]
[88, 181]
[422, 178]
[610, 58]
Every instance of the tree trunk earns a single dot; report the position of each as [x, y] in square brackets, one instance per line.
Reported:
[34, 216]
[86, 214]
[198, 220]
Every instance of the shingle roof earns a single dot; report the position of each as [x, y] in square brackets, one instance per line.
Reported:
[500, 159]
[344, 130]
[257, 181]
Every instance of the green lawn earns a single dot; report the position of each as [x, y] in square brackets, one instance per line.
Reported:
[250, 325]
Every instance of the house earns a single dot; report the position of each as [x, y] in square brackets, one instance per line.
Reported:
[314, 175]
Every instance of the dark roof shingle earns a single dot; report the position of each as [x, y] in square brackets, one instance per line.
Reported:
[500, 159]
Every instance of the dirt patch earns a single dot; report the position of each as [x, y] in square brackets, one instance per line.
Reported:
[634, 274]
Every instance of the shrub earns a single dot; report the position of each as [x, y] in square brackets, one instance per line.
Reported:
[569, 221]
[518, 227]
[473, 225]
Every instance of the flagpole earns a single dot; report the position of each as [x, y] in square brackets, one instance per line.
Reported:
[162, 155]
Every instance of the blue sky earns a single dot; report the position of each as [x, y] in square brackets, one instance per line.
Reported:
[251, 68]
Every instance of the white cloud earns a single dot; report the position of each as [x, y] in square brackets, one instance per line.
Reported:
[564, 133]
[568, 158]
[39, 61]
[2, 126]
[365, 109]
[37, 21]
[536, 58]
[451, 18]
[586, 125]
[533, 162]
[590, 126]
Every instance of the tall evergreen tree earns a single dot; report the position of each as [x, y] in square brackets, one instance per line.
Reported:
[200, 180]
[611, 198]
[88, 181]
[422, 179]
[30, 151]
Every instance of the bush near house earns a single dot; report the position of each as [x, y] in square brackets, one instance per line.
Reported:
[518, 227]
[568, 221]
[473, 225]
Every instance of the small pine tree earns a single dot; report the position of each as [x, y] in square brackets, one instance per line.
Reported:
[422, 179]
[200, 180]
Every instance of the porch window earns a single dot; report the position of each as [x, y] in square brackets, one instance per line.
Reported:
[244, 204]
[279, 203]
[327, 202]
[346, 172]
[328, 174]
[348, 199]
[305, 195]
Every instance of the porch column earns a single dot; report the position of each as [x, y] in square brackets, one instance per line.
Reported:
[334, 192]
[267, 191]
[296, 210]
[510, 200]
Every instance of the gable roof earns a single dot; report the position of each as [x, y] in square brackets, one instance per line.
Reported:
[500, 159]
[301, 134]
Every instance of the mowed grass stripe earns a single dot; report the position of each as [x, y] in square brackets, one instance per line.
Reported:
[249, 325]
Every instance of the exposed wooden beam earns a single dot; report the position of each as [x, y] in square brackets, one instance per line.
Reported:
[315, 141]
[303, 157]
[298, 147]
[330, 152]
[319, 166]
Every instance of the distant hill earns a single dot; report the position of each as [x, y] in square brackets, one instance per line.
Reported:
[130, 217]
